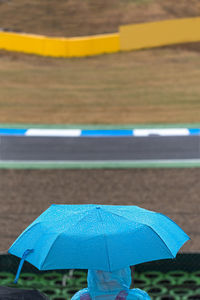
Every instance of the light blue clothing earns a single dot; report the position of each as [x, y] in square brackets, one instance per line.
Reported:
[107, 286]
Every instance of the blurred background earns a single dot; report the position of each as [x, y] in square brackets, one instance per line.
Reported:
[152, 87]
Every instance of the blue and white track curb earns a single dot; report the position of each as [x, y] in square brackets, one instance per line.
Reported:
[100, 133]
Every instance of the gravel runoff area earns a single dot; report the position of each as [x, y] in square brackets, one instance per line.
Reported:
[25, 194]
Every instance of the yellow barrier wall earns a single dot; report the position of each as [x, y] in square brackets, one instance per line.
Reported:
[148, 35]
[93, 45]
[22, 42]
[131, 37]
[60, 47]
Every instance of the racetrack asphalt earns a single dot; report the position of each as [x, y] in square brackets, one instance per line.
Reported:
[23, 148]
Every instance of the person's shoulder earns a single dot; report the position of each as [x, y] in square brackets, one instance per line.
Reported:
[137, 294]
[79, 294]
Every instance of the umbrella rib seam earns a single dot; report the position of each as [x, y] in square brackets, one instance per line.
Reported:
[59, 236]
[169, 251]
[171, 254]
[105, 241]
[41, 267]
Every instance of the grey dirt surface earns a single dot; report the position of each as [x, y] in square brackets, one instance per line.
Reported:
[25, 194]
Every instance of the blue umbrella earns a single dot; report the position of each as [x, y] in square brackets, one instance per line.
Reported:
[100, 237]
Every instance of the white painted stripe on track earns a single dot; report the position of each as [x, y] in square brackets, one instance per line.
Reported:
[93, 133]
[54, 132]
[162, 132]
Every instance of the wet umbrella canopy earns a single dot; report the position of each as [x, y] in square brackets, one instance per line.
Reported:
[99, 237]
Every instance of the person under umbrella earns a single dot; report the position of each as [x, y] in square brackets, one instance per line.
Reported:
[99, 237]
[109, 286]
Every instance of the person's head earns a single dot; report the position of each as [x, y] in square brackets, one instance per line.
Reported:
[106, 282]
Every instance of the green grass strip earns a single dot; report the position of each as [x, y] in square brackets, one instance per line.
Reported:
[100, 165]
[99, 126]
